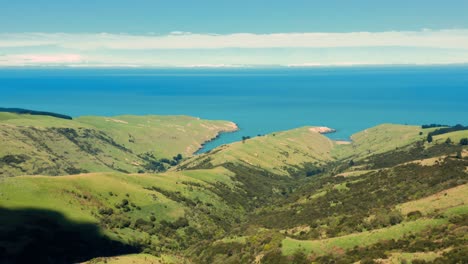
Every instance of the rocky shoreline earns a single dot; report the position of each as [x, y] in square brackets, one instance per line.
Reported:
[322, 130]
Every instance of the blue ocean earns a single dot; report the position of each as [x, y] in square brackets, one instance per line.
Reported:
[260, 101]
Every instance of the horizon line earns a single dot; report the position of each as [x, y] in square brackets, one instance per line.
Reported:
[273, 66]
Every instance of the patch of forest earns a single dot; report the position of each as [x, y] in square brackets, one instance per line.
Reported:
[22, 111]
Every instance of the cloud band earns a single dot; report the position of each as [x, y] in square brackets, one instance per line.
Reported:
[451, 39]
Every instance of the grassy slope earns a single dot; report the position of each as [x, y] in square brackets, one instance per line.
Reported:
[454, 136]
[449, 202]
[380, 139]
[67, 193]
[165, 135]
[334, 245]
[79, 198]
[373, 141]
[261, 151]
[400, 231]
[276, 152]
[282, 151]
[443, 200]
[53, 146]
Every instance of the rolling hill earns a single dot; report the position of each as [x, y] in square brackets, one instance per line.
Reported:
[33, 144]
[283, 153]
[295, 196]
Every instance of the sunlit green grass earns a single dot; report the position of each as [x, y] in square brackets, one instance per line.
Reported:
[326, 246]
[276, 152]
[113, 143]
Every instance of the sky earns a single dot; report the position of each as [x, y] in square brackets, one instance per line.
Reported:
[219, 33]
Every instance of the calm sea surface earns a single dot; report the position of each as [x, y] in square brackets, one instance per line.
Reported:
[258, 100]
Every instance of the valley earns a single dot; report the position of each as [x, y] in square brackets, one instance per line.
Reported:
[129, 189]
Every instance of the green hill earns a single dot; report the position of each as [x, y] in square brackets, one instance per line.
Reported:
[45, 145]
[281, 153]
[380, 139]
[287, 197]
[159, 213]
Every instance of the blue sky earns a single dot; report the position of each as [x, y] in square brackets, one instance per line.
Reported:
[51, 32]
[221, 16]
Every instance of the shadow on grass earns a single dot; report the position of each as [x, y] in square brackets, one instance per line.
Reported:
[44, 236]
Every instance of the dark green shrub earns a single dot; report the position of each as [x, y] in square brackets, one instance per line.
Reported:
[414, 215]
[143, 225]
[464, 141]
[106, 211]
[429, 138]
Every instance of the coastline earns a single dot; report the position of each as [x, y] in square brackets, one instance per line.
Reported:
[290, 103]
[320, 129]
[235, 128]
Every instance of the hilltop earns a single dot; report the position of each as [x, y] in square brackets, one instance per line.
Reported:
[282, 153]
[292, 196]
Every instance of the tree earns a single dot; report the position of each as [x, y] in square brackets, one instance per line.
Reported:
[106, 211]
[448, 141]
[177, 157]
[429, 138]
[464, 141]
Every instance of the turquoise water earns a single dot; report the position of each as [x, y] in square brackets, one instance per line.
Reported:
[259, 100]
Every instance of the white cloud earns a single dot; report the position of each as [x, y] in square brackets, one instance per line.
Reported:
[447, 39]
[312, 64]
[185, 49]
[215, 66]
[39, 59]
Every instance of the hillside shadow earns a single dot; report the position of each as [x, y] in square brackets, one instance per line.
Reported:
[44, 236]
